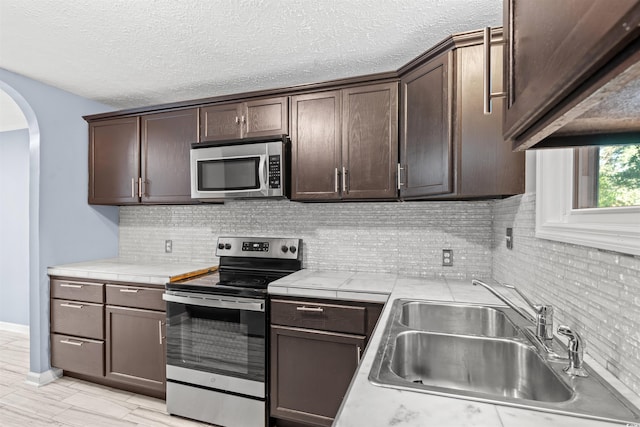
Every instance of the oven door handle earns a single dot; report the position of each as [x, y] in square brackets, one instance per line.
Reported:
[214, 302]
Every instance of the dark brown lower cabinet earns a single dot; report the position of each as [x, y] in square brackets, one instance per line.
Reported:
[314, 369]
[135, 346]
[111, 334]
[316, 346]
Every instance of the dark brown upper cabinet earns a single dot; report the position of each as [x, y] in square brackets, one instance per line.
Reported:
[449, 147]
[344, 143]
[142, 159]
[114, 161]
[165, 164]
[426, 141]
[316, 143]
[255, 118]
[569, 65]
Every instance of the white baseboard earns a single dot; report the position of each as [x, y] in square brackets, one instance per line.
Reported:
[14, 327]
[43, 378]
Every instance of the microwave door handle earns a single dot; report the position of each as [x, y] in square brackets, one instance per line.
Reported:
[262, 170]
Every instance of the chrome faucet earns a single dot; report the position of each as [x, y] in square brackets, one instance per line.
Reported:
[576, 352]
[544, 313]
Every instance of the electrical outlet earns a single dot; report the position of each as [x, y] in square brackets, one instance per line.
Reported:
[509, 238]
[447, 257]
[168, 246]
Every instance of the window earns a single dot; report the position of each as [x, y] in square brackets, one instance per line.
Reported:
[589, 197]
[607, 176]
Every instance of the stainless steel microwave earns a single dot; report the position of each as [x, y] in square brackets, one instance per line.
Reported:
[239, 169]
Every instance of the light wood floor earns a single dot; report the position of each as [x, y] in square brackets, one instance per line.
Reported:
[68, 401]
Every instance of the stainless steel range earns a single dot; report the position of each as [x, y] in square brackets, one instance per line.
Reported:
[217, 333]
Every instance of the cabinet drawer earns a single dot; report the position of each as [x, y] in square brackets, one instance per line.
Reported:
[326, 317]
[77, 355]
[136, 297]
[77, 318]
[77, 291]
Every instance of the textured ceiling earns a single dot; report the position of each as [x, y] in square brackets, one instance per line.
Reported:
[132, 53]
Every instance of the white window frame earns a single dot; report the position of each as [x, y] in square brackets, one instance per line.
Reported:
[614, 229]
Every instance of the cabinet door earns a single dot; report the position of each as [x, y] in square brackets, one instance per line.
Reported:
[136, 347]
[426, 129]
[310, 373]
[554, 46]
[266, 117]
[166, 142]
[220, 122]
[486, 166]
[114, 161]
[370, 141]
[315, 137]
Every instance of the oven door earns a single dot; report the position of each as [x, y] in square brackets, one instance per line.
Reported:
[217, 342]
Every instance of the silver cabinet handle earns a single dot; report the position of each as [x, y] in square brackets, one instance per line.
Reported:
[344, 180]
[358, 354]
[486, 78]
[399, 173]
[133, 188]
[69, 342]
[311, 309]
[69, 305]
[70, 285]
[244, 119]
[160, 331]
[130, 291]
[237, 119]
[336, 181]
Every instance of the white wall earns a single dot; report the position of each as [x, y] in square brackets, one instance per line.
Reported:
[14, 226]
[63, 228]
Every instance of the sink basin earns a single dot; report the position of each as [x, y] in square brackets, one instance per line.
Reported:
[484, 353]
[487, 366]
[463, 319]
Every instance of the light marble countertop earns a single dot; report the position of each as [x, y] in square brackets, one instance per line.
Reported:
[124, 270]
[370, 405]
[355, 286]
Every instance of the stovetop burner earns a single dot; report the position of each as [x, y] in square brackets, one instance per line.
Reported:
[247, 266]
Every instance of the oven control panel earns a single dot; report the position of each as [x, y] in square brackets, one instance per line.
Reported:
[255, 246]
[259, 247]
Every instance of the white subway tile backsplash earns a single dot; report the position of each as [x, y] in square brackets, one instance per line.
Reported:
[597, 292]
[399, 238]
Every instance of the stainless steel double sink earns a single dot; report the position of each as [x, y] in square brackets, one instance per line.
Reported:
[483, 353]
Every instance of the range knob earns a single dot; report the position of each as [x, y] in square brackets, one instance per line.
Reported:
[227, 245]
[285, 249]
[293, 249]
[220, 245]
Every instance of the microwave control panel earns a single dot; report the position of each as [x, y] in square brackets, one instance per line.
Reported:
[274, 171]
